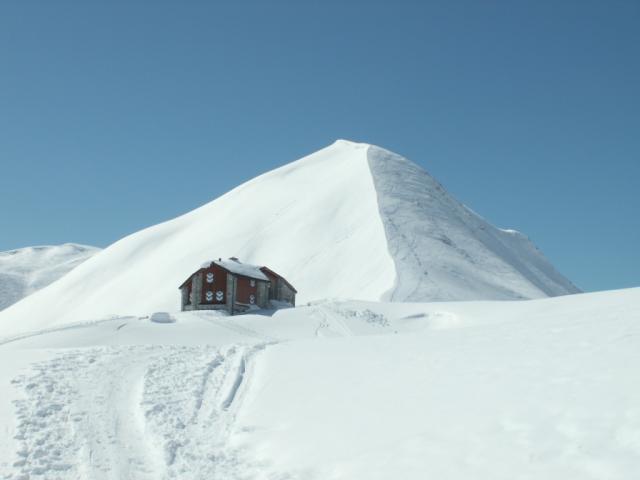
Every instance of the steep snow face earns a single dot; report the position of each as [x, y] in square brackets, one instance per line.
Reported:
[444, 251]
[349, 221]
[27, 270]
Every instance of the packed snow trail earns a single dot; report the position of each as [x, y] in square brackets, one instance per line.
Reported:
[132, 412]
[191, 395]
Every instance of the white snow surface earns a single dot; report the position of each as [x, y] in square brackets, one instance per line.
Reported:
[239, 267]
[26, 270]
[338, 390]
[349, 221]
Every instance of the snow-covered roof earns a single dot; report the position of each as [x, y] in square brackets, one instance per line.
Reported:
[239, 268]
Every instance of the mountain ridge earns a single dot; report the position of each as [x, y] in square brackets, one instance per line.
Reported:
[431, 220]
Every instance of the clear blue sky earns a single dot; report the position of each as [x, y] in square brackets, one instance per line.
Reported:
[117, 115]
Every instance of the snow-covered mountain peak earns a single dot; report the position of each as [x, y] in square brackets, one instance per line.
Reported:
[343, 142]
[351, 220]
[26, 270]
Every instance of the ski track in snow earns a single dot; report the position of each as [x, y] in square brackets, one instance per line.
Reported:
[134, 412]
[330, 322]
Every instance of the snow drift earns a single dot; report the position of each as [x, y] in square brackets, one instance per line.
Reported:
[349, 221]
[26, 270]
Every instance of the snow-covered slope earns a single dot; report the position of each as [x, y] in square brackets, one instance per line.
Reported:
[445, 251]
[25, 270]
[542, 389]
[349, 221]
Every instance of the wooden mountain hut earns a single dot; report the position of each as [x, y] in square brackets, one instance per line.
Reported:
[236, 287]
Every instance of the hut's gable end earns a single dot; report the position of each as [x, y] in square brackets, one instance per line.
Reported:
[213, 286]
[204, 289]
[279, 288]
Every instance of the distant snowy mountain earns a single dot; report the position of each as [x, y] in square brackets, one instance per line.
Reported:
[350, 221]
[26, 270]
